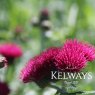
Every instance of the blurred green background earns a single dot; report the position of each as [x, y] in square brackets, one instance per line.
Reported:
[68, 18]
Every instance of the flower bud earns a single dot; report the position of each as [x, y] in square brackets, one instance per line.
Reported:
[3, 61]
[35, 21]
[46, 24]
[44, 15]
[18, 29]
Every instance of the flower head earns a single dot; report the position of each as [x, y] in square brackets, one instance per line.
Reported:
[4, 89]
[39, 67]
[71, 57]
[45, 12]
[10, 50]
[44, 15]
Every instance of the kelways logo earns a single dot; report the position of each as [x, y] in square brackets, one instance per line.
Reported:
[67, 75]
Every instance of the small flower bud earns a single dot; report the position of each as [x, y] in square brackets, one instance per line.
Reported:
[35, 21]
[3, 61]
[46, 24]
[44, 15]
[18, 29]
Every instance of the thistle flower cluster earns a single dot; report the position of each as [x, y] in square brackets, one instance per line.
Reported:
[72, 57]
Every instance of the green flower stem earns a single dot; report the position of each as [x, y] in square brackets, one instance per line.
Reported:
[59, 90]
[63, 92]
[10, 73]
[82, 92]
[42, 39]
[88, 92]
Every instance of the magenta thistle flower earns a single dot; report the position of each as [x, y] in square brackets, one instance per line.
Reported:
[71, 57]
[4, 89]
[10, 50]
[40, 67]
